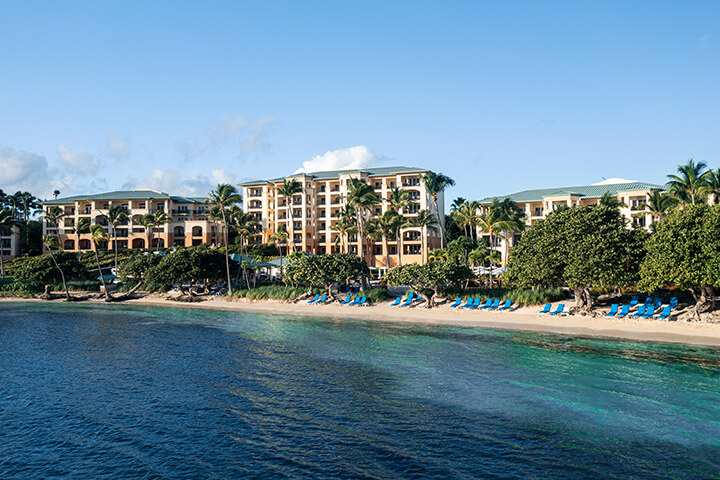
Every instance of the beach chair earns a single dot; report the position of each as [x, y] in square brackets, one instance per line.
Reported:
[457, 303]
[355, 301]
[321, 300]
[665, 313]
[673, 302]
[363, 302]
[505, 306]
[469, 302]
[649, 312]
[633, 301]
[648, 301]
[547, 308]
[348, 299]
[396, 302]
[488, 304]
[408, 301]
[317, 295]
[559, 310]
[495, 304]
[658, 303]
[613, 310]
[475, 304]
[640, 311]
[624, 311]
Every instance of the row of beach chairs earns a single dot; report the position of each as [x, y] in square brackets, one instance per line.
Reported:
[560, 310]
[409, 300]
[358, 301]
[476, 304]
[647, 310]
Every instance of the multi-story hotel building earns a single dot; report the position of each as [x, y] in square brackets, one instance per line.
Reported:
[189, 224]
[10, 242]
[319, 204]
[538, 204]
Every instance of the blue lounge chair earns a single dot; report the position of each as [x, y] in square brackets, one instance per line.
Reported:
[559, 310]
[475, 304]
[640, 311]
[624, 311]
[648, 301]
[396, 302]
[348, 299]
[495, 304]
[317, 295]
[505, 306]
[457, 303]
[658, 303]
[673, 302]
[665, 313]
[355, 301]
[408, 301]
[321, 300]
[634, 301]
[488, 304]
[546, 309]
[613, 310]
[469, 302]
[649, 312]
[363, 302]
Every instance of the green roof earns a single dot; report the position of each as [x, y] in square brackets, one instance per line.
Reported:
[587, 191]
[124, 195]
[372, 172]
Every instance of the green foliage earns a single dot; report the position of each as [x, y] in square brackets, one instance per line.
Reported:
[139, 267]
[522, 297]
[30, 241]
[430, 276]
[684, 251]
[186, 264]
[376, 294]
[39, 271]
[276, 292]
[262, 250]
[323, 270]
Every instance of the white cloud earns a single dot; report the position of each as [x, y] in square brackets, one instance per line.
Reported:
[118, 148]
[26, 171]
[350, 158]
[229, 127]
[174, 183]
[77, 162]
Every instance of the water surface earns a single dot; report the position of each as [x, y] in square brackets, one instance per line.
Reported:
[139, 393]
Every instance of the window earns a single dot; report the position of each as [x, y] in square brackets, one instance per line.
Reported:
[412, 182]
[322, 226]
[141, 205]
[378, 250]
[297, 225]
[538, 212]
[412, 249]
[392, 184]
[378, 211]
[393, 250]
[378, 185]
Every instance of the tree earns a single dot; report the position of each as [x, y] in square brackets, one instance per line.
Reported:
[287, 190]
[98, 234]
[691, 183]
[713, 185]
[497, 222]
[683, 253]
[82, 227]
[56, 193]
[345, 226]
[224, 197]
[188, 265]
[387, 226]
[457, 203]
[6, 223]
[460, 248]
[434, 184]
[35, 272]
[399, 200]
[424, 219]
[51, 241]
[582, 247]
[466, 215]
[117, 215]
[361, 198]
[611, 201]
[245, 225]
[140, 267]
[658, 205]
[431, 276]
[148, 221]
[324, 270]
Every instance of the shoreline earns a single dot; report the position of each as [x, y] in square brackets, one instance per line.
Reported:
[520, 319]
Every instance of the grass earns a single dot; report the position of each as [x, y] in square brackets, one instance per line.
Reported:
[275, 292]
[525, 297]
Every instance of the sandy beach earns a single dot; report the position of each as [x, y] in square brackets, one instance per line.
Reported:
[526, 319]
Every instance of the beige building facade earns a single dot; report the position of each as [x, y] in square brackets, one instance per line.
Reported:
[10, 242]
[317, 208]
[537, 204]
[189, 224]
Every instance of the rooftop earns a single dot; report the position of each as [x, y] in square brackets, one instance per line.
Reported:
[587, 191]
[372, 172]
[124, 195]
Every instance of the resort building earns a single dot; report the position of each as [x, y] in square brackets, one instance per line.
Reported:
[10, 242]
[188, 223]
[317, 208]
[538, 204]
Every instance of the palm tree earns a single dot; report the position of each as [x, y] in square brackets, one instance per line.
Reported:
[497, 220]
[51, 241]
[225, 196]
[161, 218]
[287, 190]
[424, 219]
[6, 223]
[657, 205]
[611, 201]
[387, 226]
[466, 215]
[117, 215]
[245, 225]
[82, 227]
[399, 200]
[148, 221]
[360, 198]
[99, 235]
[434, 184]
[280, 236]
[713, 184]
[56, 193]
[691, 185]
[457, 203]
[345, 226]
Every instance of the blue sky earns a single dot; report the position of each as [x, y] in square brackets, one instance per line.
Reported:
[501, 96]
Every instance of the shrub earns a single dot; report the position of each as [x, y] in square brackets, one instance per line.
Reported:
[39, 271]
[522, 297]
[376, 294]
[275, 292]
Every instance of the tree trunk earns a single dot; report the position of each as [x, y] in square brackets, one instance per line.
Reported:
[116, 250]
[387, 252]
[62, 274]
[2, 264]
[437, 212]
[697, 303]
[400, 246]
[227, 257]
[710, 296]
[108, 298]
[292, 225]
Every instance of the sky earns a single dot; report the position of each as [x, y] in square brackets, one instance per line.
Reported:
[501, 96]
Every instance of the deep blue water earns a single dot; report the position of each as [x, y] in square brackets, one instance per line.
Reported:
[136, 393]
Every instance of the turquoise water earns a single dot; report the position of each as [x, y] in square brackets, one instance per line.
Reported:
[131, 392]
